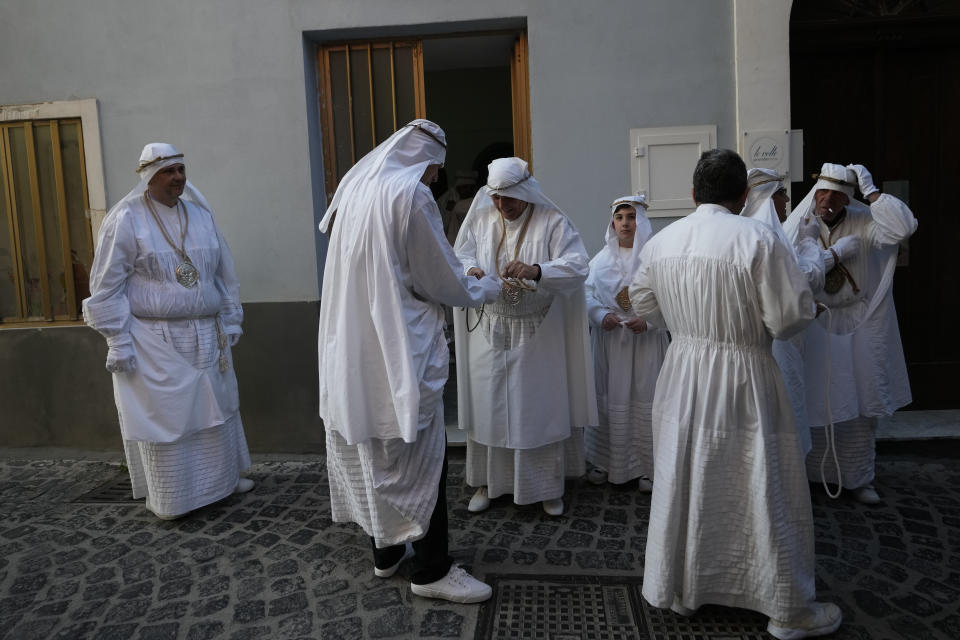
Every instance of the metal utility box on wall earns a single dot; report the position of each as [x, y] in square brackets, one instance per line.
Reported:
[662, 160]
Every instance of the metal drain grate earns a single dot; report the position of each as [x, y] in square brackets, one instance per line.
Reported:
[600, 608]
[115, 490]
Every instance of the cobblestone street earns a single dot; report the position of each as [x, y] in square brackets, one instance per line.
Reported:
[271, 564]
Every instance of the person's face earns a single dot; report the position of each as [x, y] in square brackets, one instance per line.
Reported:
[829, 203]
[167, 184]
[509, 208]
[780, 200]
[625, 225]
[430, 174]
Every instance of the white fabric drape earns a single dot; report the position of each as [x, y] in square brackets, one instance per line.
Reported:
[730, 519]
[383, 358]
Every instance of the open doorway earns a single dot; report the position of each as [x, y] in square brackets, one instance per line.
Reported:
[474, 85]
[468, 91]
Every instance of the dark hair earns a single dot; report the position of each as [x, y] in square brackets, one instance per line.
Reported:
[624, 205]
[720, 176]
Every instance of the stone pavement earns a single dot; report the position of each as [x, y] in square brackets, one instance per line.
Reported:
[271, 564]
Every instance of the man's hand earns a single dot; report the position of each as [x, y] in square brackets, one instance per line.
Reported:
[847, 247]
[518, 269]
[864, 179]
[476, 272]
[637, 325]
[610, 322]
[809, 228]
[121, 359]
[233, 339]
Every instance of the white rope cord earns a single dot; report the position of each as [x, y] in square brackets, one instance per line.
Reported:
[831, 444]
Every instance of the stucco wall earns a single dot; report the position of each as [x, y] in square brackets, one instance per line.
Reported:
[232, 84]
[226, 82]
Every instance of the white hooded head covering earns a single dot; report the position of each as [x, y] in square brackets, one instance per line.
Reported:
[154, 157]
[763, 183]
[391, 171]
[511, 178]
[612, 269]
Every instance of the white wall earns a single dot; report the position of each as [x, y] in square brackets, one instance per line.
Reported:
[224, 81]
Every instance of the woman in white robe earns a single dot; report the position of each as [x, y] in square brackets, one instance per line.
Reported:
[165, 296]
[627, 354]
[524, 375]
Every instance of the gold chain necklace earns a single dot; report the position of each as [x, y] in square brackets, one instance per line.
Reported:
[186, 274]
[513, 288]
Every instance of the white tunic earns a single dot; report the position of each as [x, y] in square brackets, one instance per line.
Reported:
[524, 375]
[626, 366]
[730, 518]
[868, 375]
[179, 414]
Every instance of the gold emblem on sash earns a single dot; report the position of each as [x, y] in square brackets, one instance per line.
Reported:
[623, 299]
[833, 281]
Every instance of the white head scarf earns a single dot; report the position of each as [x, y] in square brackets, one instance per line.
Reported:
[396, 165]
[834, 177]
[154, 157]
[763, 184]
[610, 269]
[511, 178]
[641, 235]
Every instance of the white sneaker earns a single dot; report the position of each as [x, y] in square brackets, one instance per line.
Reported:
[553, 507]
[456, 586]
[866, 494]
[823, 618]
[645, 484]
[596, 476]
[479, 502]
[392, 569]
[243, 485]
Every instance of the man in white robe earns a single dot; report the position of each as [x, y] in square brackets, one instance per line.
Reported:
[766, 202]
[730, 516]
[627, 354]
[867, 372]
[383, 358]
[164, 294]
[524, 374]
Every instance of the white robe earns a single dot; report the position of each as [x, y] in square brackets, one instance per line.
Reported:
[388, 483]
[626, 366]
[179, 414]
[868, 373]
[524, 374]
[730, 517]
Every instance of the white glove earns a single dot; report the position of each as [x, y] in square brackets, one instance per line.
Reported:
[121, 358]
[864, 179]
[233, 339]
[491, 288]
[809, 229]
[847, 247]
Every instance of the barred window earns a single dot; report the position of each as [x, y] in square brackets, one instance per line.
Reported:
[46, 242]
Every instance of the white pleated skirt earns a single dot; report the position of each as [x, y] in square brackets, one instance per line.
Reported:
[178, 477]
[531, 475]
[388, 487]
[856, 451]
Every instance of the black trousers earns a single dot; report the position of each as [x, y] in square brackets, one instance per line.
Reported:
[432, 560]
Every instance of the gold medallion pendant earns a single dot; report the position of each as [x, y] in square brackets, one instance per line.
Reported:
[834, 280]
[187, 274]
[623, 299]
